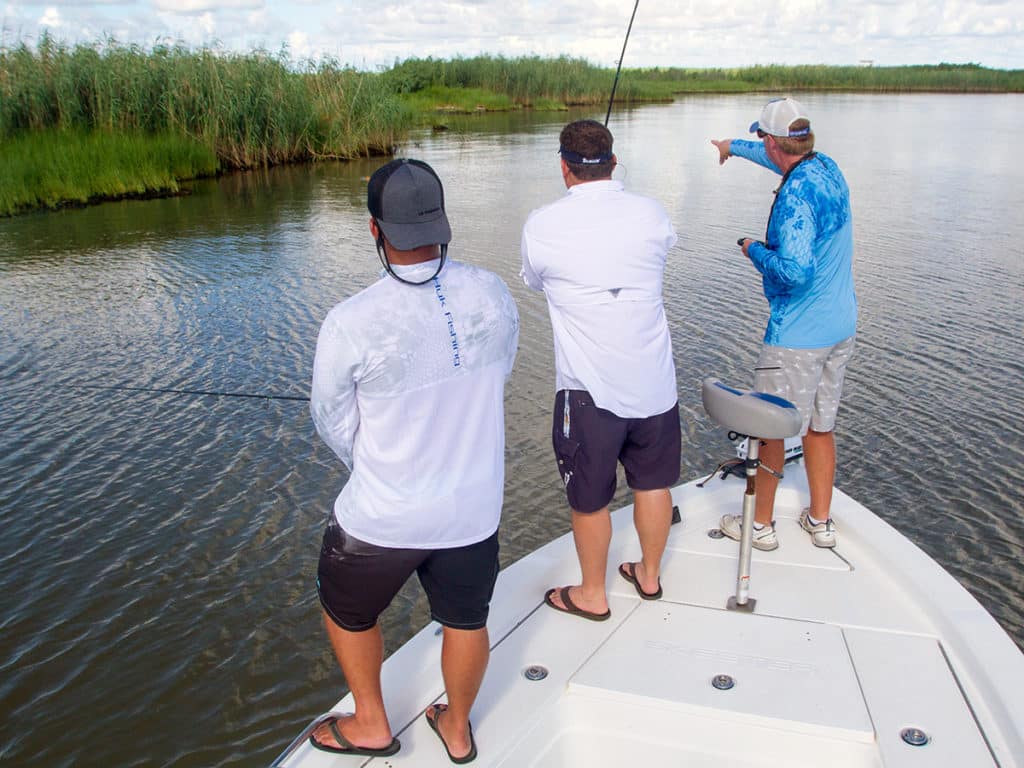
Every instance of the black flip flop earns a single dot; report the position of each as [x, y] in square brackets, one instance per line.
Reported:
[432, 722]
[348, 748]
[628, 572]
[571, 608]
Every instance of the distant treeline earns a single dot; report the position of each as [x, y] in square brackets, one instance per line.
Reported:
[575, 82]
[109, 120]
[948, 78]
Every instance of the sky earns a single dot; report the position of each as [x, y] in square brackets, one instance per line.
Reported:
[374, 34]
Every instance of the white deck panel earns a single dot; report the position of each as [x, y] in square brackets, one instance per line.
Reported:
[583, 731]
[791, 675]
[908, 683]
[847, 586]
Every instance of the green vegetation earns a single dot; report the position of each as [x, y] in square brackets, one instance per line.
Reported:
[247, 110]
[107, 120]
[526, 82]
[949, 78]
[440, 98]
[52, 168]
[531, 82]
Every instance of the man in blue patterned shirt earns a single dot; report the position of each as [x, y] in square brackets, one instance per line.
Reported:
[805, 261]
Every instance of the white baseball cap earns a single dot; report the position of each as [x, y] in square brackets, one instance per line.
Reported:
[778, 115]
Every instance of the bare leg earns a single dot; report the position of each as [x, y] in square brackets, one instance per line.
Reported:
[652, 518]
[772, 454]
[361, 655]
[592, 533]
[820, 461]
[464, 657]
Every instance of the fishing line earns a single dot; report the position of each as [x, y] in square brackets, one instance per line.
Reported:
[619, 68]
[206, 392]
[251, 395]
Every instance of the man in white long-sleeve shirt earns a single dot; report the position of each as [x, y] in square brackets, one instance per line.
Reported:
[598, 254]
[408, 385]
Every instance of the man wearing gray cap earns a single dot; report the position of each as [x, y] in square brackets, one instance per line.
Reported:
[408, 386]
[805, 261]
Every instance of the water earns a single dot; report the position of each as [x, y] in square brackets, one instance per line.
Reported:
[159, 551]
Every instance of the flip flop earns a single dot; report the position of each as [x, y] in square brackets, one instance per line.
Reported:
[571, 607]
[628, 572]
[348, 748]
[432, 722]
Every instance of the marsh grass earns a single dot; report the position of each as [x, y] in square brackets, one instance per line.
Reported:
[107, 120]
[253, 109]
[53, 168]
[528, 82]
[246, 110]
[950, 78]
[440, 98]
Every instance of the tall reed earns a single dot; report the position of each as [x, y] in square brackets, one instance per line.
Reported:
[529, 81]
[252, 109]
[89, 121]
[526, 80]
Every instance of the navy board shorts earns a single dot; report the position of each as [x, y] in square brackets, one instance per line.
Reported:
[589, 442]
[357, 580]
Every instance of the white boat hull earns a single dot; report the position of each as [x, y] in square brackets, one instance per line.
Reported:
[846, 649]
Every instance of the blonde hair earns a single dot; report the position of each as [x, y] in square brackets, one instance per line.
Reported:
[797, 145]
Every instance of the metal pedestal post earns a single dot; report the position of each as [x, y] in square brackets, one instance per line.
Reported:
[742, 601]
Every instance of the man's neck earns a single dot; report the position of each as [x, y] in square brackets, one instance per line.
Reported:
[415, 256]
[789, 161]
[571, 181]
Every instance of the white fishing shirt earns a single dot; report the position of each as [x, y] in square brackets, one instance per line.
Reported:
[408, 390]
[599, 256]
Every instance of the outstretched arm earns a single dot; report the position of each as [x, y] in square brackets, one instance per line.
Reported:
[724, 149]
[753, 151]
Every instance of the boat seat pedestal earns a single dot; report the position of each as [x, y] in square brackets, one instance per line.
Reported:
[758, 416]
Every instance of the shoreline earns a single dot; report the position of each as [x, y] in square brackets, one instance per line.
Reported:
[171, 116]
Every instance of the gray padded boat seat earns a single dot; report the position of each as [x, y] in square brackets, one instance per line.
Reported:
[755, 414]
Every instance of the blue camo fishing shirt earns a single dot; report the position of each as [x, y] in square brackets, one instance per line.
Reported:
[806, 260]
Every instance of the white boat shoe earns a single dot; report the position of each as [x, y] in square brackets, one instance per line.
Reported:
[822, 534]
[765, 539]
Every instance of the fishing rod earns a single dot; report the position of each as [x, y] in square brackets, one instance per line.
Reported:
[618, 70]
[212, 393]
[207, 392]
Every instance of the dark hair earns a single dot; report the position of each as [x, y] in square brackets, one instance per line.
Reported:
[589, 139]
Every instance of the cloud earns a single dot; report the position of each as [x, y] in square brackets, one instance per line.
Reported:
[191, 7]
[692, 33]
[50, 18]
[298, 44]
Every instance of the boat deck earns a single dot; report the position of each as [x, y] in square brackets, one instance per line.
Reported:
[844, 651]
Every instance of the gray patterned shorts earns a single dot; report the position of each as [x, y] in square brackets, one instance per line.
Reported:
[811, 379]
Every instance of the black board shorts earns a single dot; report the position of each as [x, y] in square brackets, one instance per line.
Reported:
[589, 442]
[357, 580]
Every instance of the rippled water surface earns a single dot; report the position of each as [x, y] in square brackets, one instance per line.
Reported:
[158, 550]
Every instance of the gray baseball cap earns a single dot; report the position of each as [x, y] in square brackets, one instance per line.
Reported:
[407, 200]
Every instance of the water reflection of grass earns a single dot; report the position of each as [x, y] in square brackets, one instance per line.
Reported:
[108, 120]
